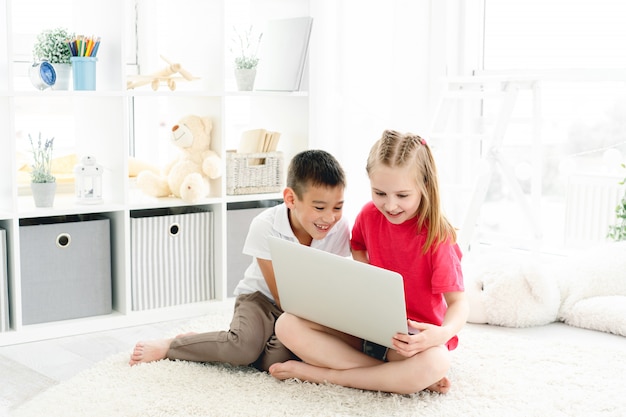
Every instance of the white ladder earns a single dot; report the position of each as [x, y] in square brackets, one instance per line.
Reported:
[506, 90]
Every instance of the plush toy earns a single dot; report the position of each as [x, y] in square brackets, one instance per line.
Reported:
[188, 175]
[593, 288]
[584, 289]
[509, 290]
[135, 166]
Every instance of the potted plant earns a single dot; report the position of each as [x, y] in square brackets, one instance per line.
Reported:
[617, 232]
[245, 48]
[43, 183]
[52, 46]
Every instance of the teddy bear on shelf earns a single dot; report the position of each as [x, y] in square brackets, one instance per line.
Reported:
[188, 175]
[584, 289]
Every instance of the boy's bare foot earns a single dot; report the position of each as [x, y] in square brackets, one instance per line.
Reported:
[442, 386]
[150, 351]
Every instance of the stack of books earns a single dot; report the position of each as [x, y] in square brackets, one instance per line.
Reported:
[258, 141]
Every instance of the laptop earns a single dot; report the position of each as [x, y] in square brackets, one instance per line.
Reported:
[350, 296]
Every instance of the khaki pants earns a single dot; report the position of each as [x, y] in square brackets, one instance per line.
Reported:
[249, 341]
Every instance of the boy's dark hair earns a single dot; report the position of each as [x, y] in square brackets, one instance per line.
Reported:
[314, 168]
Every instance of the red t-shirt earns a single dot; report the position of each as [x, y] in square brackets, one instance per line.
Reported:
[398, 247]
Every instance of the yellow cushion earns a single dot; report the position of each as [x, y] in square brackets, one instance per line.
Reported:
[62, 168]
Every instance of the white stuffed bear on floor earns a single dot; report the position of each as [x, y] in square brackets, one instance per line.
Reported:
[188, 175]
[584, 289]
[509, 289]
[593, 288]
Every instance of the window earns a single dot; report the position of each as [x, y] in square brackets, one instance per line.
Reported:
[575, 50]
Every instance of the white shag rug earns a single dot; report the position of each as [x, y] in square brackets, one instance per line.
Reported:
[496, 372]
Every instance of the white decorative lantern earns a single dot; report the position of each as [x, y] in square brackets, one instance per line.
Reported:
[88, 182]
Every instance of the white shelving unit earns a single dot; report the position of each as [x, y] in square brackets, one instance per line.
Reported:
[113, 123]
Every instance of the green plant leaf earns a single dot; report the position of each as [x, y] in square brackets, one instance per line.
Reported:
[52, 45]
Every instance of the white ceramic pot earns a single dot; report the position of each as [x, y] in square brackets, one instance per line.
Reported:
[43, 193]
[64, 75]
[245, 78]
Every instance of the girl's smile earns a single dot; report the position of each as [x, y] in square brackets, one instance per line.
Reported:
[395, 193]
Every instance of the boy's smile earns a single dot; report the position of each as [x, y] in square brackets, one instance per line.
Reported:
[315, 215]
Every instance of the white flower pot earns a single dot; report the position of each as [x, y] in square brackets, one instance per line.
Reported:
[43, 193]
[64, 75]
[245, 78]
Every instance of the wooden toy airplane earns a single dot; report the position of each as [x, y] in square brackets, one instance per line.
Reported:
[166, 75]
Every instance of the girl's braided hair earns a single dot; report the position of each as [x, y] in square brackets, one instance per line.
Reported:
[395, 149]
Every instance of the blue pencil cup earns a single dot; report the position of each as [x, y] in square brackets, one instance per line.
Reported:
[84, 72]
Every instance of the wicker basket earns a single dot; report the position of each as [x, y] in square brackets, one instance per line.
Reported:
[254, 173]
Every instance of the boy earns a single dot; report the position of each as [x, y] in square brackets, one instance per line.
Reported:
[311, 214]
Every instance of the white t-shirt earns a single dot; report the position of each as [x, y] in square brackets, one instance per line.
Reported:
[275, 222]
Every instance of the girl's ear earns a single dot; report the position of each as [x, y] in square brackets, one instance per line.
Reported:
[289, 196]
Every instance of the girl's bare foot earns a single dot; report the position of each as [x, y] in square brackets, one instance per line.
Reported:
[305, 372]
[285, 370]
[442, 386]
[150, 351]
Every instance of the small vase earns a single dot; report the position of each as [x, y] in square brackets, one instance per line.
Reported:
[245, 78]
[64, 75]
[43, 193]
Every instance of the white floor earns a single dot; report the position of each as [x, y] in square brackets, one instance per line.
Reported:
[30, 368]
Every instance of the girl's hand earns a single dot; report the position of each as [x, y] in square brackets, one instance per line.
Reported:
[424, 337]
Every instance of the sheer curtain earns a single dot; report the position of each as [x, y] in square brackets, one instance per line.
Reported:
[379, 65]
[371, 68]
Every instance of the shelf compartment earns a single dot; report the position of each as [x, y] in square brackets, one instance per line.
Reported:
[238, 217]
[4, 284]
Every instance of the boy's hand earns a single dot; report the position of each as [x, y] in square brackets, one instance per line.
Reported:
[425, 336]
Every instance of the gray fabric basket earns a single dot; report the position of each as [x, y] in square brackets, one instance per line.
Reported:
[65, 268]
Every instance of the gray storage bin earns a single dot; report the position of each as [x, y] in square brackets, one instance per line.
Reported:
[66, 268]
[238, 218]
[4, 285]
[171, 257]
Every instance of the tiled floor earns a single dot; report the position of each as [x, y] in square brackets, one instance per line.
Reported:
[30, 368]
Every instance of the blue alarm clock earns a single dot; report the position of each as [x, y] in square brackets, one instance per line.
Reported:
[42, 75]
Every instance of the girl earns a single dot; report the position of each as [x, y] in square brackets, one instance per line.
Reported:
[404, 230]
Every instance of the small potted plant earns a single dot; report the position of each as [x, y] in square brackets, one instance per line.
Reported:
[617, 232]
[245, 48]
[52, 46]
[43, 183]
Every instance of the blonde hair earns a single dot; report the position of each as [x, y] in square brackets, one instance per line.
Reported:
[399, 150]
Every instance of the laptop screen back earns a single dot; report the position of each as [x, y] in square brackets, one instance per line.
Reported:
[340, 293]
